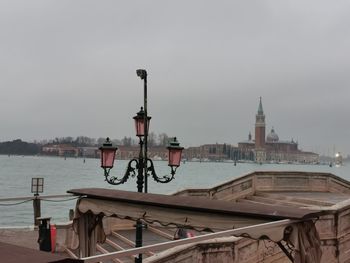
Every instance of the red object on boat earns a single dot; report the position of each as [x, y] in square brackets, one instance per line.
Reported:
[190, 234]
[53, 237]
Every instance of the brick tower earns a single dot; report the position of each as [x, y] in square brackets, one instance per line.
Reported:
[260, 127]
[260, 153]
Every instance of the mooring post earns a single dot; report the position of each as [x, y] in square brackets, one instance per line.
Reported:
[37, 209]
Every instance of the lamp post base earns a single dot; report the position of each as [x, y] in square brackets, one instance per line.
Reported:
[138, 241]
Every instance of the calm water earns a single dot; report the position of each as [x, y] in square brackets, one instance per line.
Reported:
[61, 175]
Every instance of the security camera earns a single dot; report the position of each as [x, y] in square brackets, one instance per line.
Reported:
[142, 73]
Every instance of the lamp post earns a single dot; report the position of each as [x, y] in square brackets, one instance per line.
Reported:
[142, 165]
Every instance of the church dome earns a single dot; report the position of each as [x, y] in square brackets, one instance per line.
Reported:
[272, 136]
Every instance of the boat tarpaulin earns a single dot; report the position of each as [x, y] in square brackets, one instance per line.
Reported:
[222, 218]
[169, 217]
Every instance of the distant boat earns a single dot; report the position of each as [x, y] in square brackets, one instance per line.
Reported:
[338, 159]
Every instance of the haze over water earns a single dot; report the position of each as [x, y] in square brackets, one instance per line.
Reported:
[61, 175]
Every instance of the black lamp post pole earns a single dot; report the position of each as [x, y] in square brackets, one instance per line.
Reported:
[142, 170]
[138, 238]
[145, 120]
[140, 166]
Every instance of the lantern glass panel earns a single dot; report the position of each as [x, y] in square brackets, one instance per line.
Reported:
[107, 158]
[140, 127]
[175, 157]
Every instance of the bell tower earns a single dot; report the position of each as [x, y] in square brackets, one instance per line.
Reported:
[260, 152]
[260, 127]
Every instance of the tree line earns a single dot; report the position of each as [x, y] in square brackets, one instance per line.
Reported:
[161, 139]
[19, 147]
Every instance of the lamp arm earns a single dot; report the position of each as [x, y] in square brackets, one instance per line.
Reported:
[164, 179]
[130, 171]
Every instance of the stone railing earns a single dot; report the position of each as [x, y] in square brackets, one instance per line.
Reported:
[272, 181]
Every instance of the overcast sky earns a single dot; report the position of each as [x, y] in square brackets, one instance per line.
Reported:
[67, 68]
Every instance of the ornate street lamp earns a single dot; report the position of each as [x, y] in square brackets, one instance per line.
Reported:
[175, 152]
[108, 153]
[143, 165]
[174, 159]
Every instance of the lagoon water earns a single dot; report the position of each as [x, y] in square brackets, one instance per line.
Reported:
[62, 174]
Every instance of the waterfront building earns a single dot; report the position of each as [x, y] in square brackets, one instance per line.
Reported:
[64, 150]
[270, 148]
[123, 153]
[209, 152]
[88, 152]
[154, 152]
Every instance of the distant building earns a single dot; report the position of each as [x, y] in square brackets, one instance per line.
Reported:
[210, 152]
[89, 152]
[130, 152]
[270, 148]
[60, 150]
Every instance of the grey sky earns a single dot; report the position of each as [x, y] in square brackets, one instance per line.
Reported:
[67, 68]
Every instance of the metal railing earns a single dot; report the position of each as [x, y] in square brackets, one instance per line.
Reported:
[251, 231]
[36, 199]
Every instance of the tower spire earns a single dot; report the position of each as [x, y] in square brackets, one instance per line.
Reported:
[260, 109]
